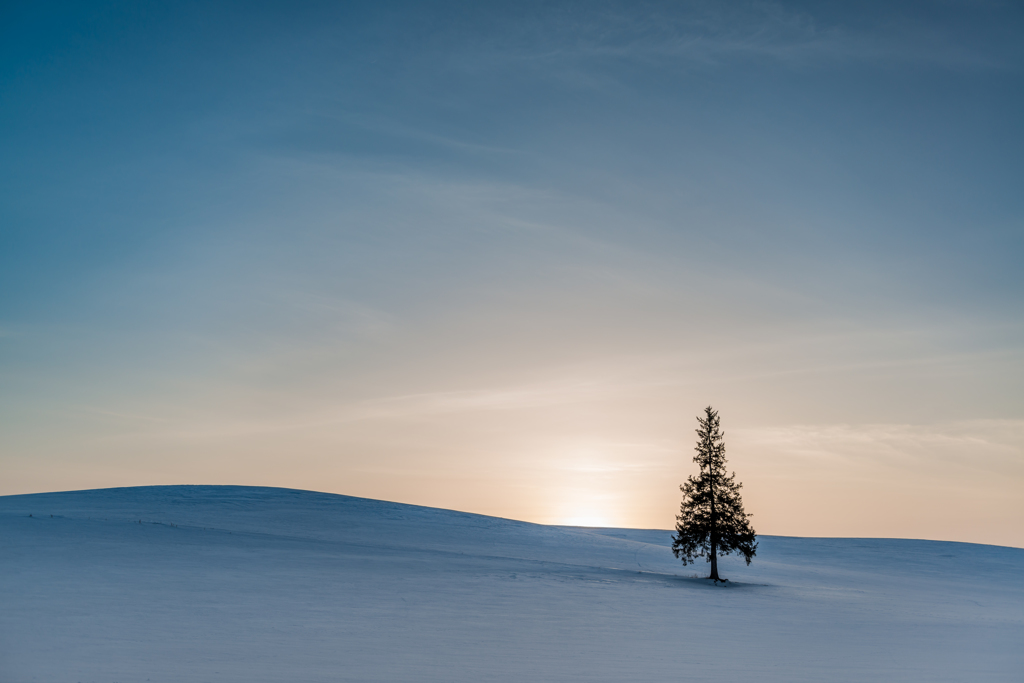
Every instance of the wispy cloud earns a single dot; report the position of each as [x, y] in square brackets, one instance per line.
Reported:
[708, 33]
[974, 448]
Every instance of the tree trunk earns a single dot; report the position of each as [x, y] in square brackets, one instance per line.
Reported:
[714, 525]
[714, 558]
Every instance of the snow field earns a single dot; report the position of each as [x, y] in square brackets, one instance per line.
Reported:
[261, 584]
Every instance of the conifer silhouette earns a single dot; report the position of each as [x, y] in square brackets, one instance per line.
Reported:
[711, 519]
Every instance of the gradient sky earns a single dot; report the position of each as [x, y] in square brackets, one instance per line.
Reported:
[498, 258]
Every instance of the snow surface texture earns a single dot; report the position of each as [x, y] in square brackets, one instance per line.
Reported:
[261, 584]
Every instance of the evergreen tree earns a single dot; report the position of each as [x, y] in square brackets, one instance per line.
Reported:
[711, 520]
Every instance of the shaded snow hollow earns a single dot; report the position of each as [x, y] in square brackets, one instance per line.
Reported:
[229, 583]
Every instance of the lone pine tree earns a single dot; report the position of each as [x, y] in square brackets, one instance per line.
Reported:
[711, 520]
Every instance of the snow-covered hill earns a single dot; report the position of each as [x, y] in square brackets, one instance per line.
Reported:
[214, 583]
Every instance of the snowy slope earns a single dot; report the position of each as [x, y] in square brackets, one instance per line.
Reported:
[261, 584]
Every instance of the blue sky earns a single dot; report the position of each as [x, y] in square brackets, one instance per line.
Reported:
[497, 258]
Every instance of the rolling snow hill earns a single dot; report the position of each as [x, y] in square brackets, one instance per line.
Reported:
[224, 583]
